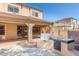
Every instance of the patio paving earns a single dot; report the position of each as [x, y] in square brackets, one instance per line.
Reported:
[10, 48]
[9, 43]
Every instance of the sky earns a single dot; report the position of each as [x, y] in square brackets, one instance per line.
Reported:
[57, 11]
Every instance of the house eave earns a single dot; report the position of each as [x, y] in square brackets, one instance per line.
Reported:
[7, 17]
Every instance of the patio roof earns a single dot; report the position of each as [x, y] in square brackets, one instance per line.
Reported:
[14, 18]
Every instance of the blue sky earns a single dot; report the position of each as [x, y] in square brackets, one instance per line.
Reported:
[56, 11]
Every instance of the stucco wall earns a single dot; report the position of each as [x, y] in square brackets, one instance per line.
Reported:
[11, 31]
[55, 32]
[66, 48]
[67, 34]
[65, 21]
[63, 33]
[25, 11]
[3, 7]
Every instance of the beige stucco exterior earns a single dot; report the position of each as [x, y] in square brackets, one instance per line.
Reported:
[11, 28]
[23, 10]
[62, 33]
[11, 31]
[66, 48]
[65, 27]
[66, 24]
[23, 17]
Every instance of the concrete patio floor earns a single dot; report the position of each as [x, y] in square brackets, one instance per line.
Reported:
[35, 43]
[47, 45]
[9, 43]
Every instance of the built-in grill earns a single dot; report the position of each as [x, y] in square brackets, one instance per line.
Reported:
[62, 45]
[57, 45]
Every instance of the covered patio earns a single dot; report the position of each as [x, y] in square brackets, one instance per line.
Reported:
[31, 28]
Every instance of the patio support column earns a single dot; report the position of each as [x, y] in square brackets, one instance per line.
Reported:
[30, 27]
[51, 29]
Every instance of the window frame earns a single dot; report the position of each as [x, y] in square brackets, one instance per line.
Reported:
[13, 9]
[2, 29]
[35, 14]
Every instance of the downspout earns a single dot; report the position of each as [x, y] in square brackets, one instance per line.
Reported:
[29, 11]
[21, 9]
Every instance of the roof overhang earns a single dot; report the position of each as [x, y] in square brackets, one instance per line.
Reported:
[13, 18]
[62, 25]
[66, 19]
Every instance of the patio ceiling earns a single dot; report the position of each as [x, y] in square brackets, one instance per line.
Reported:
[13, 18]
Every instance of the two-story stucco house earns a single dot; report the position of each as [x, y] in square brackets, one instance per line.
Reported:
[18, 21]
[65, 27]
[66, 23]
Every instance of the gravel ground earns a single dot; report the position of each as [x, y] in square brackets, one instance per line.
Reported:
[17, 50]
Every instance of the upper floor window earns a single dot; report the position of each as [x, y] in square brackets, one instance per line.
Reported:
[13, 9]
[35, 14]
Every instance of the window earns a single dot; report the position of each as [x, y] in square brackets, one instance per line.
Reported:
[13, 9]
[74, 21]
[2, 30]
[35, 14]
